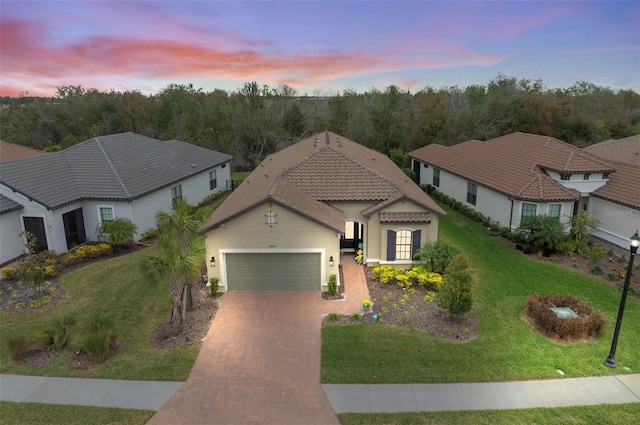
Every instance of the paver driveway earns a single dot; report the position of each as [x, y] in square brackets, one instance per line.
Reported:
[260, 364]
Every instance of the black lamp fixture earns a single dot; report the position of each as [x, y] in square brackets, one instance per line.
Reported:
[331, 261]
[213, 261]
[633, 248]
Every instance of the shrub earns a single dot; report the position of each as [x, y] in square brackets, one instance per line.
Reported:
[85, 253]
[31, 272]
[597, 252]
[97, 345]
[57, 333]
[612, 276]
[435, 257]
[333, 284]
[589, 322]
[118, 232]
[333, 317]
[455, 294]
[99, 339]
[214, 286]
[542, 231]
[596, 269]
[567, 246]
[360, 257]
[582, 226]
[149, 235]
[356, 317]
[429, 278]
[17, 345]
[9, 273]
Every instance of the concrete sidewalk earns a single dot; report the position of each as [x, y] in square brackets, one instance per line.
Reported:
[144, 395]
[151, 395]
[359, 398]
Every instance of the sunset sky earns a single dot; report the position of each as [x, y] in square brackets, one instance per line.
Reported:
[315, 47]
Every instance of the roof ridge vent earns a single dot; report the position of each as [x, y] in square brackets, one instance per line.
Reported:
[316, 143]
[338, 143]
[327, 138]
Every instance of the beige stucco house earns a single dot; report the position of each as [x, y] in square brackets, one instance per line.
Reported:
[287, 224]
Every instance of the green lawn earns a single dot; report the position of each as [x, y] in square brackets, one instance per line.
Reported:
[613, 414]
[506, 348]
[115, 288]
[52, 414]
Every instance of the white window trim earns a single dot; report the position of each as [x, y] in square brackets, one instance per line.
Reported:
[113, 212]
[549, 209]
[530, 203]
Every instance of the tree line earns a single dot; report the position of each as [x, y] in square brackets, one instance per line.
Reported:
[256, 120]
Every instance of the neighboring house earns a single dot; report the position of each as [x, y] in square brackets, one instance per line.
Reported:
[286, 225]
[9, 151]
[617, 204]
[9, 209]
[513, 176]
[62, 197]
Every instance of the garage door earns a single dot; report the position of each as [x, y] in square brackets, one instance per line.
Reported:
[273, 271]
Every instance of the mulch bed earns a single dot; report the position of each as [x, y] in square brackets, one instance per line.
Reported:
[340, 294]
[173, 334]
[396, 306]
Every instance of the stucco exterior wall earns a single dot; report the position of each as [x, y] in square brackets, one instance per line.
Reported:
[491, 203]
[141, 212]
[11, 245]
[618, 222]
[249, 233]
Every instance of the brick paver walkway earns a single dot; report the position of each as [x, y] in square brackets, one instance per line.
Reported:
[260, 362]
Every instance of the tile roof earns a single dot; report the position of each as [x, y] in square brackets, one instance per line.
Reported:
[320, 169]
[623, 186]
[10, 151]
[515, 164]
[620, 150]
[7, 205]
[405, 217]
[122, 166]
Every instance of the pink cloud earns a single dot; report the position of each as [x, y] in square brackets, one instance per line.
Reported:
[27, 56]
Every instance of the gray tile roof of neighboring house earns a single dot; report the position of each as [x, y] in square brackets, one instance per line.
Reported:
[323, 168]
[515, 164]
[623, 186]
[7, 205]
[10, 151]
[122, 166]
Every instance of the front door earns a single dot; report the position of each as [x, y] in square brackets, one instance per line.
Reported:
[416, 168]
[74, 228]
[35, 226]
[353, 236]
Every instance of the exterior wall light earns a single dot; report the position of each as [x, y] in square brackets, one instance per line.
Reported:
[213, 261]
[633, 248]
[271, 218]
[331, 261]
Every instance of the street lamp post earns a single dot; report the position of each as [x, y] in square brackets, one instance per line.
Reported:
[611, 360]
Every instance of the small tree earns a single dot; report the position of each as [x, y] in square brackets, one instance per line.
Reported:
[455, 293]
[582, 226]
[117, 232]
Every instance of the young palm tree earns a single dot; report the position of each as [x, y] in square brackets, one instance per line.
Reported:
[181, 251]
[118, 232]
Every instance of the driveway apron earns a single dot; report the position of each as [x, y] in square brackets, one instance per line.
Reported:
[259, 364]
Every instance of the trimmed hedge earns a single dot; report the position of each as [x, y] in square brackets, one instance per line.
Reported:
[588, 324]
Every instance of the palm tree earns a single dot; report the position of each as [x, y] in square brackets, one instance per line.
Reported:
[181, 251]
[543, 231]
[118, 232]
